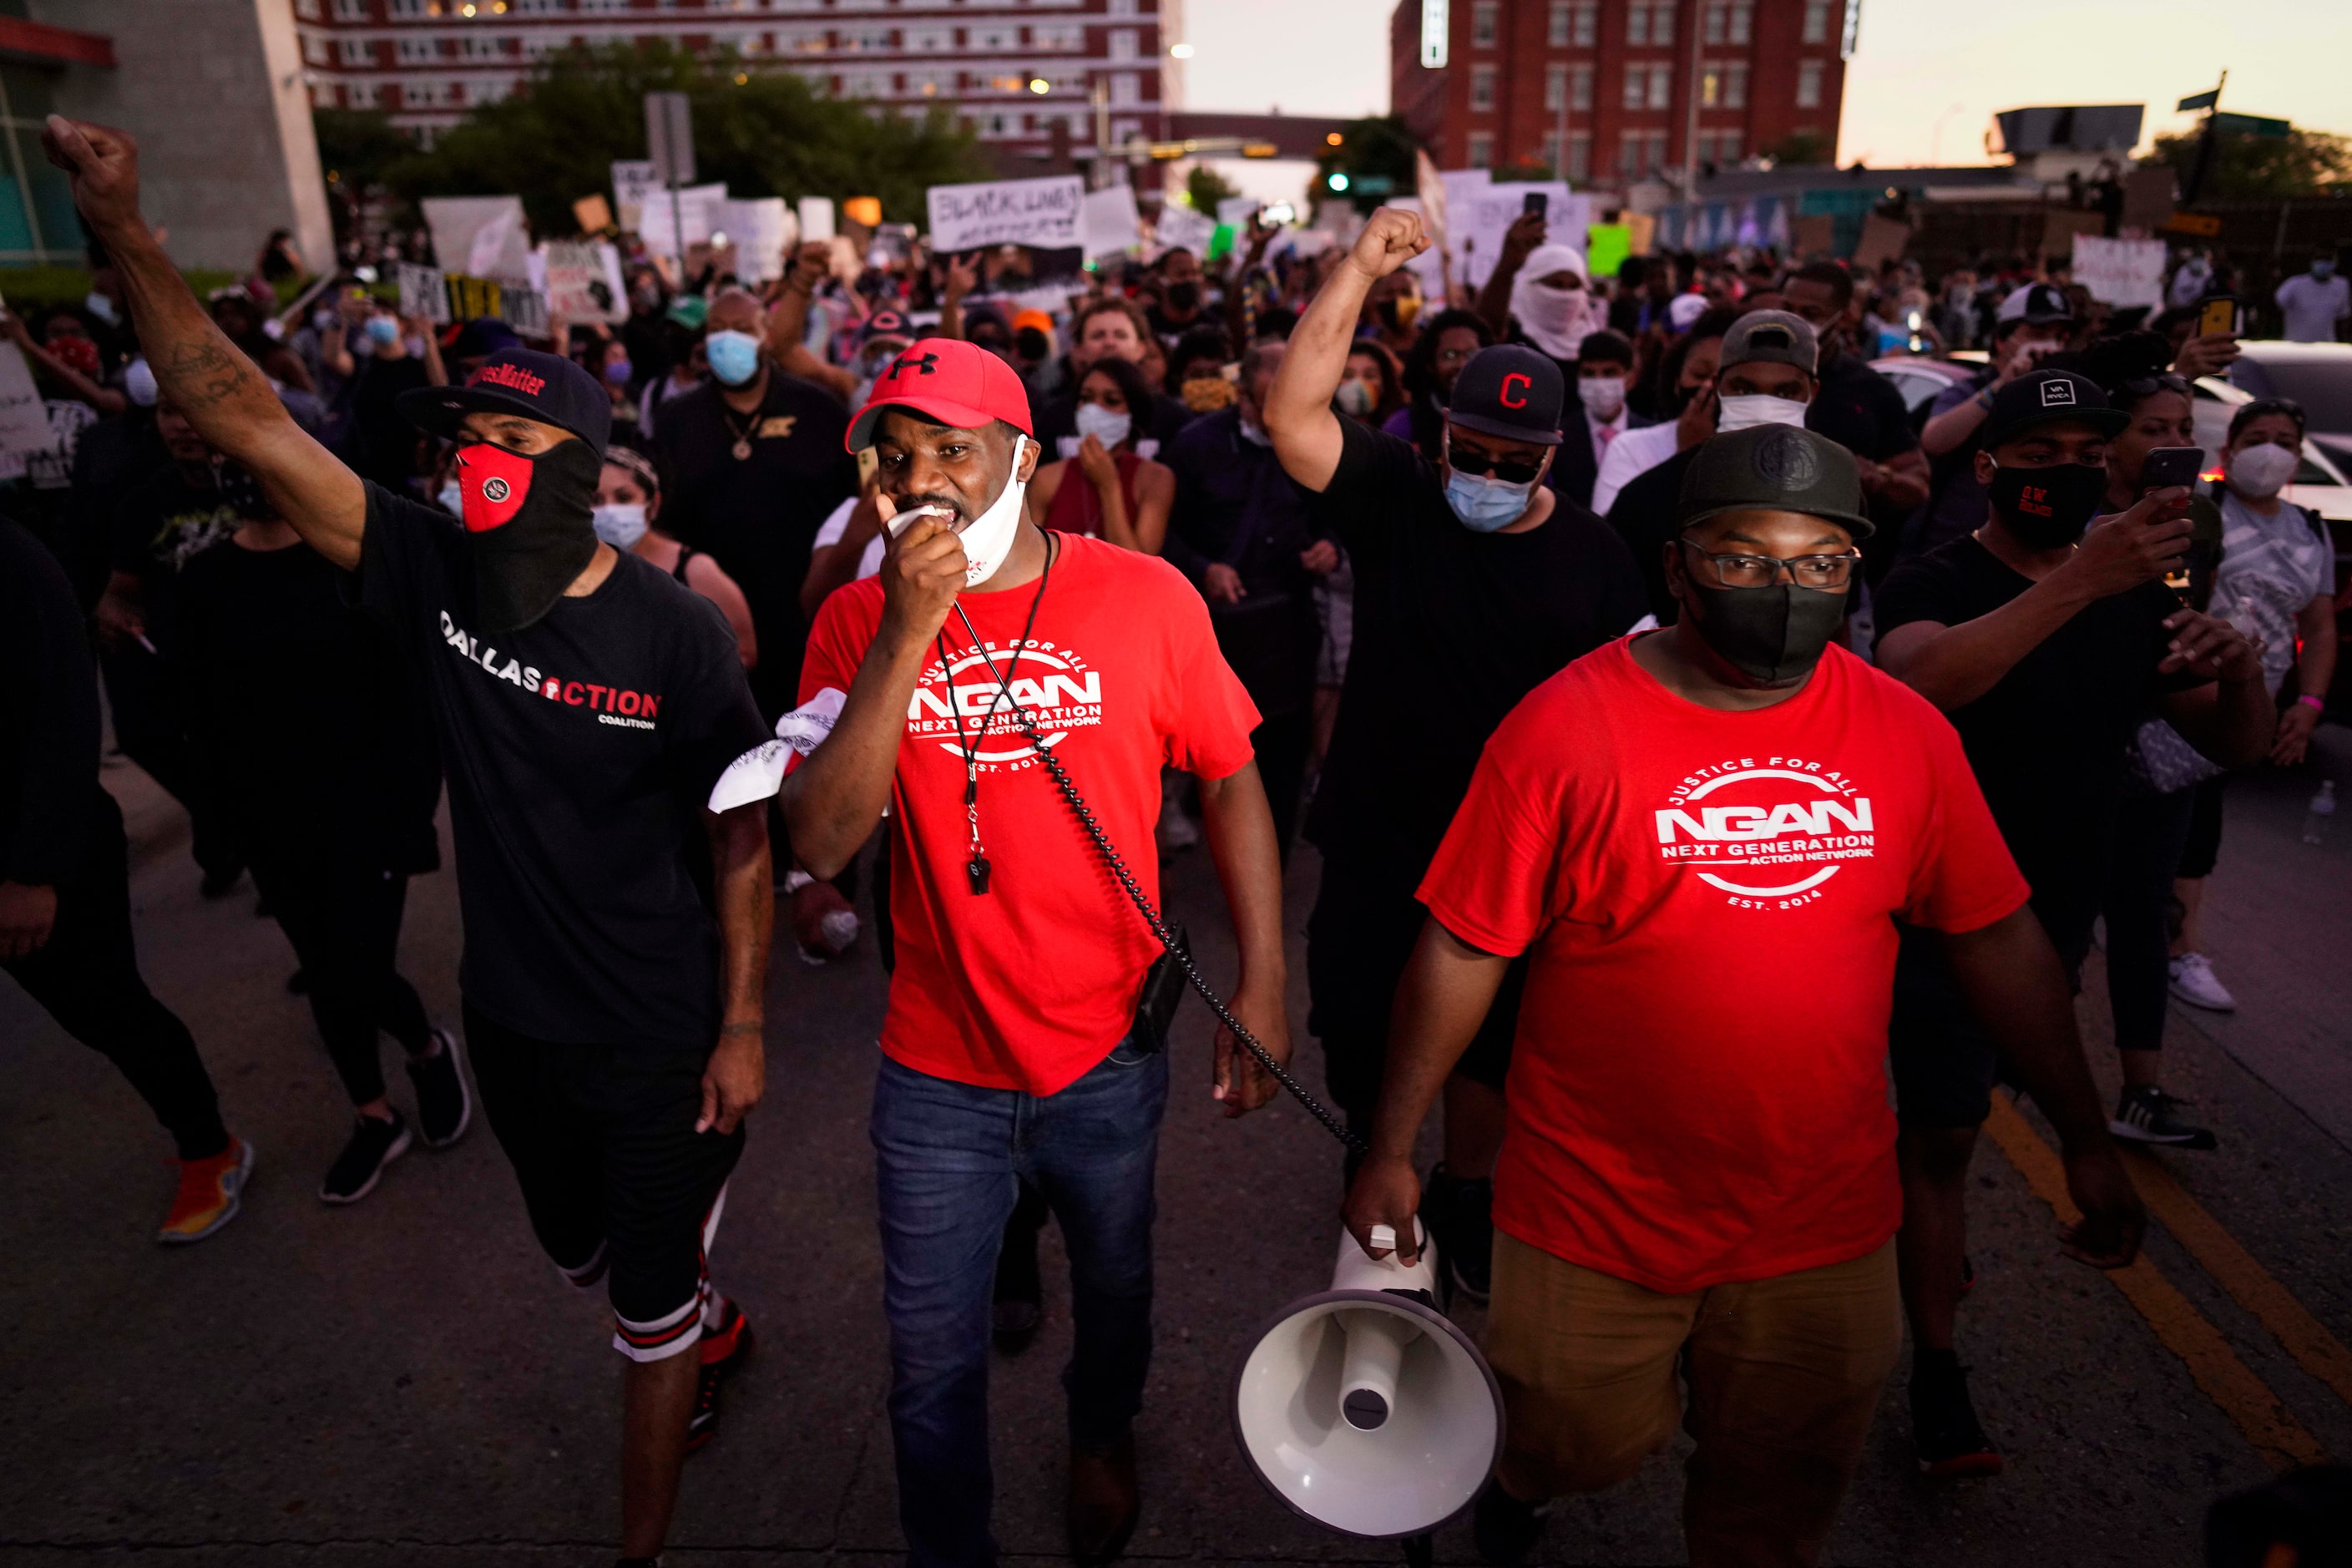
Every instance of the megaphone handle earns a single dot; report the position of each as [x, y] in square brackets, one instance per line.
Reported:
[1315, 1108]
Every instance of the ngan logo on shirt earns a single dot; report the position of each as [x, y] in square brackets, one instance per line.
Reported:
[1057, 685]
[1740, 814]
[613, 705]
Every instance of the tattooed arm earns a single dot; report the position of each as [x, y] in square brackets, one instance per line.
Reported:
[222, 393]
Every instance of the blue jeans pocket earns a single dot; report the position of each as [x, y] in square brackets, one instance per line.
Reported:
[1129, 1052]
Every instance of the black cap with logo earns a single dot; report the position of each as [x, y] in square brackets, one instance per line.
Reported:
[545, 387]
[1510, 392]
[2048, 397]
[1773, 468]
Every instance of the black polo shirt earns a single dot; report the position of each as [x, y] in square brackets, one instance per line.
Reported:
[758, 514]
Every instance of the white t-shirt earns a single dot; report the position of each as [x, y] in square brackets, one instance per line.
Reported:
[1631, 455]
[868, 564]
[2271, 568]
[2313, 307]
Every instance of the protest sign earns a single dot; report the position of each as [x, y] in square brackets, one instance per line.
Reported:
[816, 218]
[1479, 217]
[23, 421]
[1883, 239]
[422, 293]
[758, 230]
[633, 185]
[1111, 224]
[483, 236]
[1606, 246]
[2120, 272]
[1042, 213]
[583, 282]
[1182, 229]
[663, 230]
[594, 213]
[1235, 212]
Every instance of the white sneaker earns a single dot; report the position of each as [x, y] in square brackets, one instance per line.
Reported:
[2193, 982]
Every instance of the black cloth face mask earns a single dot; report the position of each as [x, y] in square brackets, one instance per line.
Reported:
[2048, 509]
[530, 522]
[1773, 635]
[1184, 296]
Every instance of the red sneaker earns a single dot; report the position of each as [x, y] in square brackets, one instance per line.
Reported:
[723, 1350]
[211, 1192]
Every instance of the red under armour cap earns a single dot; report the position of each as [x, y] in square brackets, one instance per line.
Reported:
[957, 384]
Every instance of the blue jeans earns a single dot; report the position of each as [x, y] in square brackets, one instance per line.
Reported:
[949, 1159]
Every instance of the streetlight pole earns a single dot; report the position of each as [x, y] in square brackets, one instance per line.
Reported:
[1690, 128]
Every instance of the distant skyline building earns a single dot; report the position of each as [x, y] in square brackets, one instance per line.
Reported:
[1012, 69]
[1493, 84]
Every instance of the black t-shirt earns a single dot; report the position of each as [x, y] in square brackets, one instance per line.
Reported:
[1861, 410]
[580, 753]
[1452, 628]
[49, 748]
[1643, 515]
[381, 442]
[161, 522]
[757, 515]
[2047, 741]
[309, 723]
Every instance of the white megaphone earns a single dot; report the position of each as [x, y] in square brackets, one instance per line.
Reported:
[1362, 1407]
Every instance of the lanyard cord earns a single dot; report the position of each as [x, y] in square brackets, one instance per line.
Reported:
[970, 752]
[1315, 1108]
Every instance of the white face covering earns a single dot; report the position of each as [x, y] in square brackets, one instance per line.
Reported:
[1555, 320]
[988, 539]
[2260, 472]
[1095, 420]
[1604, 395]
[620, 525]
[1746, 413]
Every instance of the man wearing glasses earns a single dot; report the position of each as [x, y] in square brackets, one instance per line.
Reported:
[1475, 581]
[1699, 839]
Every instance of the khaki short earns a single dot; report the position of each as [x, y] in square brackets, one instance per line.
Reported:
[1784, 1377]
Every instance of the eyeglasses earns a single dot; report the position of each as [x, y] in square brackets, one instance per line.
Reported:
[1470, 462]
[2149, 385]
[1763, 571]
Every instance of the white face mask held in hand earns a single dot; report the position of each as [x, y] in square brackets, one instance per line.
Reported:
[1746, 413]
[987, 539]
[2260, 472]
[1095, 420]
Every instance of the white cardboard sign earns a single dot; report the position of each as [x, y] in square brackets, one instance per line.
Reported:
[1043, 213]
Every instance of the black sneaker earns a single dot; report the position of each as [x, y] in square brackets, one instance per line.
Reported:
[2144, 1115]
[1459, 1215]
[1019, 1302]
[443, 1105]
[1506, 1528]
[724, 1351]
[374, 1144]
[1944, 1426]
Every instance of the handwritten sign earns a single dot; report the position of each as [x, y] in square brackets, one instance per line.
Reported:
[2120, 272]
[23, 421]
[634, 183]
[1182, 229]
[1111, 221]
[583, 282]
[423, 293]
[484, 236]
[1042, 213]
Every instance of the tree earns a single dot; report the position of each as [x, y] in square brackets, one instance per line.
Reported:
[357, 149]
[1376, 154]
[1204, 188]
[1798, 147]
[2299, 164]
[764, 132]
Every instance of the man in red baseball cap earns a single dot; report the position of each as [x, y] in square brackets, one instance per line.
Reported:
[1012, 1049]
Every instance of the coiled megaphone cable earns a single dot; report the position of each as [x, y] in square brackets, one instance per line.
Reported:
[1315, 1107]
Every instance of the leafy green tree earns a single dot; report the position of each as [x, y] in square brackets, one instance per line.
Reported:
[1378, 148]
[1798, 147]
[357, 148]
[2300, 163]
[1204, 187]
[763, 131]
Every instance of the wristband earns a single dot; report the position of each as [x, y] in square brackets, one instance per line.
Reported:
[2317, 704]
[1984, 399]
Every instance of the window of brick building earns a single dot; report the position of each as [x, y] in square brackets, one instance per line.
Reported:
[1809, 84]
[1482, 149]
[1482, 87]
[1817, 22]
[1485, 19]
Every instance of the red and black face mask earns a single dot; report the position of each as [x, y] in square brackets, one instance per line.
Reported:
[528, 520]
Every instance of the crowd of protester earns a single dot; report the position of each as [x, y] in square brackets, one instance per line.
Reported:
[1416, 532]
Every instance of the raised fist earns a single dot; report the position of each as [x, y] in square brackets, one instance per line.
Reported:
[104, 166]
[1391, 238]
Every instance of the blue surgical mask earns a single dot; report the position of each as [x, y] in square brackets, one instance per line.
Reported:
[1483, 504]
[453, 499]
[2323, 271]
[382, 330]
[734, 356]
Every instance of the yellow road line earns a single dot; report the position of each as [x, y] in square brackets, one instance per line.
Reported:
[2228, 1382]
[2318, 1352]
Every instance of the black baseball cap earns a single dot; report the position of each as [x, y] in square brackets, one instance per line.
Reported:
[1780, 468]
[2049, 398]
[1511, 392]
[2037, 305]
[545, 387]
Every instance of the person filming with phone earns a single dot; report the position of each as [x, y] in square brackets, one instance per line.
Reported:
[988, 660]
[2048, 640]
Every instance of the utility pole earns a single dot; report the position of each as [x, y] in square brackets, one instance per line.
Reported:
[1690, 130]
[2205, 143]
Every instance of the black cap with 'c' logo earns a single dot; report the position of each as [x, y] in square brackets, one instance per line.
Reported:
[1511, 392]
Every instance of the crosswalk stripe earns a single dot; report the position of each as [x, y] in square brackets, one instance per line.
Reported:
[2215, 1368]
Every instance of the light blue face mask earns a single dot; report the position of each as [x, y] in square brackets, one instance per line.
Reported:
[734, 356]
[383, 330]
[1482, 504]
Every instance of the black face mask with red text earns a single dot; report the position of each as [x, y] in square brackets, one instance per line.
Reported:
[529, 519]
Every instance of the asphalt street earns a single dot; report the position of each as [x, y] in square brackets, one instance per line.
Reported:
[407, 1381]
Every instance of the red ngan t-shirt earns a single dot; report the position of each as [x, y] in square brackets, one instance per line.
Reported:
[1698, 1093]
[1030, 984]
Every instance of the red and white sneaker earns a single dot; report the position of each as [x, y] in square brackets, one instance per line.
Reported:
[723, 1350]
[211, 1192]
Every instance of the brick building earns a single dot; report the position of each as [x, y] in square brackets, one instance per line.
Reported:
[1489, 83]
[1010, 68]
